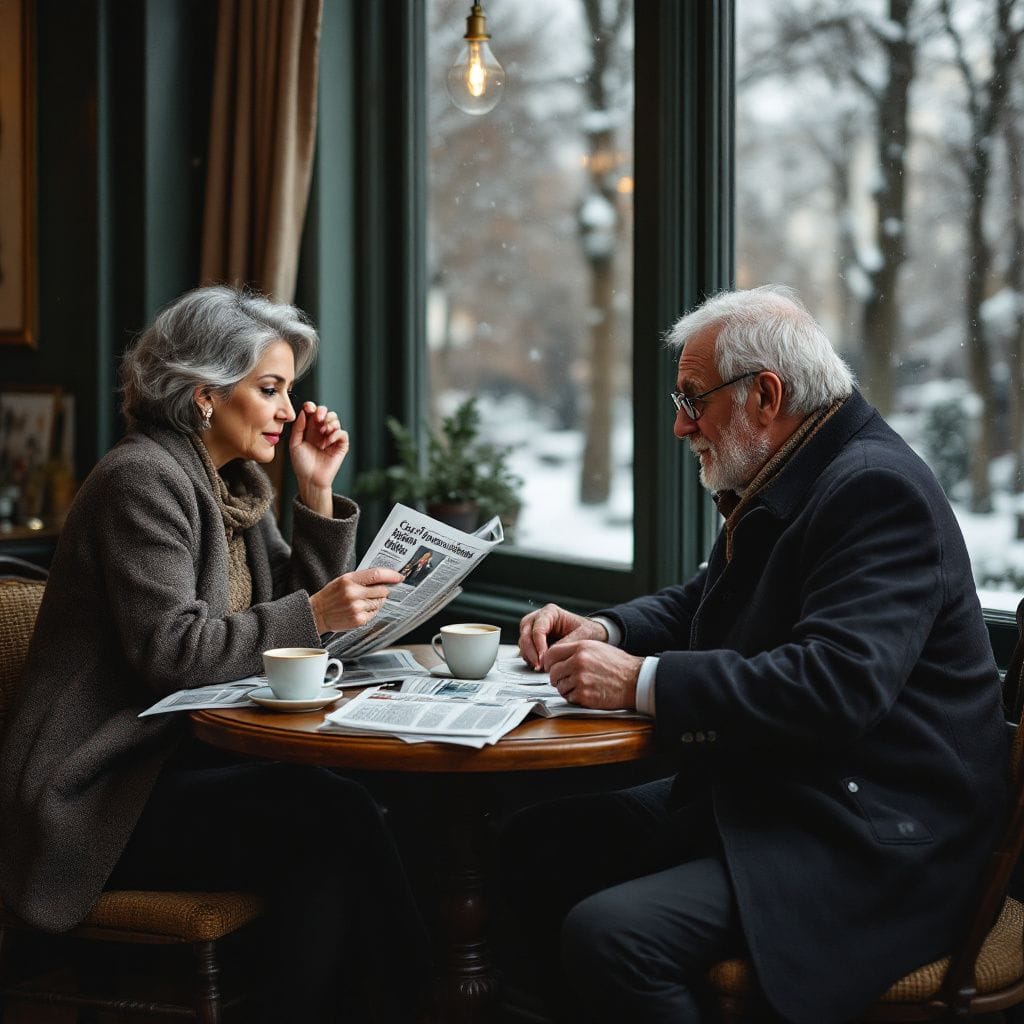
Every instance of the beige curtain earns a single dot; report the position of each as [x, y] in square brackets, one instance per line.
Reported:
[262, 132]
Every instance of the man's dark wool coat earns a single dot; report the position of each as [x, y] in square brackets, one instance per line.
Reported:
[831, 690]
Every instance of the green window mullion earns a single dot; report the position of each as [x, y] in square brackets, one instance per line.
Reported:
[684, 252]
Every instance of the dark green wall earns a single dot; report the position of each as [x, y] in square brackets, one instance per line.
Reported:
[67, 100]
[122, 91]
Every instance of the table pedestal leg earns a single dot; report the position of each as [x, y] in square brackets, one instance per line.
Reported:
[470, 981]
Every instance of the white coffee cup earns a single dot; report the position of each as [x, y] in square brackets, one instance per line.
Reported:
[299, 673]
[469, 648]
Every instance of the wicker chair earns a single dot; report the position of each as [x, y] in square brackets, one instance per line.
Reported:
[984, 974]
[198, 919]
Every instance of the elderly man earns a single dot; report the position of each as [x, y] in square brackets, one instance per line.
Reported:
[825, 685]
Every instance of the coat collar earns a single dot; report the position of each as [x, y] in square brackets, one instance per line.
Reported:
[783, 495]
[181, 449]
[241, 476]
[180, 446]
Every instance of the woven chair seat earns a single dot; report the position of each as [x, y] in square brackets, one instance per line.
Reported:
[178, 916]
[1000, 964]
[186, 916]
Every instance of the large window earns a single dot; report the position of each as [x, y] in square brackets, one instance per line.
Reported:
[878, 171]
[532, 258]
[529, 264]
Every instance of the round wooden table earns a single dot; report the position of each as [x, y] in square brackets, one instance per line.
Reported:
[538, 744]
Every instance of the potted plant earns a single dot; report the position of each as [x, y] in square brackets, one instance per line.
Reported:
[460, 479]
[499, 488]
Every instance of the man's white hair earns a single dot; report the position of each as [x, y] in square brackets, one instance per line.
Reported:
[769, 328]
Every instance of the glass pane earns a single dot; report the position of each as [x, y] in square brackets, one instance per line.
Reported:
[879, 173]
[529, 260]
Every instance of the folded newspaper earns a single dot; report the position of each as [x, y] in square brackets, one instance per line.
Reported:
[432, 558]
[379, 667]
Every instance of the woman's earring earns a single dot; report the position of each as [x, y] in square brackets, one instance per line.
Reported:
[207, 416]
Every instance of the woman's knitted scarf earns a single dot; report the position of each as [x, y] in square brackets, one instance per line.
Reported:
[243, 493]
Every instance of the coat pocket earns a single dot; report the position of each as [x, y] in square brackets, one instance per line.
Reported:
[888, 823]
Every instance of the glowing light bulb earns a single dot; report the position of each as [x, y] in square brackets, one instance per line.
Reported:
[476, 73]
[476, 80]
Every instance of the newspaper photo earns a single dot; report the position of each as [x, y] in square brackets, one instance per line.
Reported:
[432, 558]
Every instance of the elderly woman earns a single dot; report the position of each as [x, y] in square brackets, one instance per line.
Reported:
[171, 573]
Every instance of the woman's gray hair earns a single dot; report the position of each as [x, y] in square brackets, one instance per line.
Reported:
[769, 328]
[210, 337]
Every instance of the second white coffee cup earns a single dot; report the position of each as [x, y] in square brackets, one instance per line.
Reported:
[299, 673]
[469, 648]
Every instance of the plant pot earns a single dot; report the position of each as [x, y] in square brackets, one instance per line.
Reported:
[463, 515]
[508, 524]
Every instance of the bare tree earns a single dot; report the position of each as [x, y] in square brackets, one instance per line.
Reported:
[840, 45]
[835, 146]
[891, 102]
[987, 91]
[600, 230]
[1014, 139]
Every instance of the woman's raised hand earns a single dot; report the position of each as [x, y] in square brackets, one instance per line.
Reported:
[352, 600]
[318, 447]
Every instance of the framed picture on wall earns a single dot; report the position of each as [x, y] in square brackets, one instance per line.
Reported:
[17, 172]
[29, 442]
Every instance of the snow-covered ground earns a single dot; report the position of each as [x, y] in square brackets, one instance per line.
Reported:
[995, 551]
[553, 522]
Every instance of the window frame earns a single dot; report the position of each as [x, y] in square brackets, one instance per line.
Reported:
[682, 252]
[370, 234]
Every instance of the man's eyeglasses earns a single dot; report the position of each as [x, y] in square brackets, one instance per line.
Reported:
[693, 405]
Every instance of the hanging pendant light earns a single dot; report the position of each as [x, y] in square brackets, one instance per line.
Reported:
[476, 81]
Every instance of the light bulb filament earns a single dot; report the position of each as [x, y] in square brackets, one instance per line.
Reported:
[476, 73]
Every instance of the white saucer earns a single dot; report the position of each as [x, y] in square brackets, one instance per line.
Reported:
[521, 674]
[264, 696]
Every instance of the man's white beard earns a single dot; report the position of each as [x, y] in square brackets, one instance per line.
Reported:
[735, 459]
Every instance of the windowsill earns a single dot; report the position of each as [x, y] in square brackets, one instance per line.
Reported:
[998, 603]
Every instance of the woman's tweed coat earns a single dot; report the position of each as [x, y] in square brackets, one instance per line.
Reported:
[136, 608]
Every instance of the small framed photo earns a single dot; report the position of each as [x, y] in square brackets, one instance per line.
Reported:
[29, 436]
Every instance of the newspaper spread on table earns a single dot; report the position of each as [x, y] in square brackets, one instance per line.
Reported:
[466, 712]
[467, 719]
[379, 667]
[222, 695]
[433, 559]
